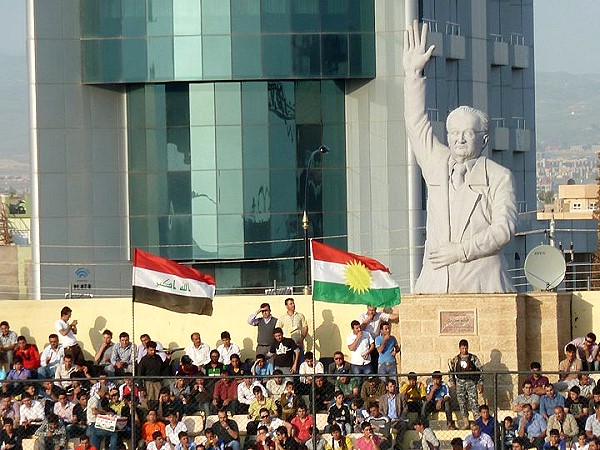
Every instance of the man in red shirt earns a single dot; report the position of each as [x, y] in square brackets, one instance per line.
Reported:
[30, 355]
[225, 394]
[302, 425]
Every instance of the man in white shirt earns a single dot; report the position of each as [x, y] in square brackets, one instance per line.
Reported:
[66, 333]
[143, 348]
[478, 440]
[51, 357]
[227, 348]
[31, 413]
[245, 393]
[361, 344]
[371, 321]
[64, 371]
[198, 351]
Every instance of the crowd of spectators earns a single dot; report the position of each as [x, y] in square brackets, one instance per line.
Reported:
[56, 395]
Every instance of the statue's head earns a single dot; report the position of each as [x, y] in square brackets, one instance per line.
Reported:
[467, 132]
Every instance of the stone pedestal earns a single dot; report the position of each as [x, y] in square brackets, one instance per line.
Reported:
[506, 331]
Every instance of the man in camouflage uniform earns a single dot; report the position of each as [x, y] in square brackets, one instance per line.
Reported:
[466, 374]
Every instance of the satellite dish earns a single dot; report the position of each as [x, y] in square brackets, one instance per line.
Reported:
[545, 267]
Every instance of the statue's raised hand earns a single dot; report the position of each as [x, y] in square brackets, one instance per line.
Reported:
[415, 56]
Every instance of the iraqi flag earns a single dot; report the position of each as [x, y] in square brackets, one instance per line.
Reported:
[342, 277]
[164, 283]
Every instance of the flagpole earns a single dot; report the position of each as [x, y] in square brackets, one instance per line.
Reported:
[133, 354]
[315, 359]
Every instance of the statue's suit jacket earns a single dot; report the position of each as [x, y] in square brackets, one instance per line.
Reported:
[481, 215]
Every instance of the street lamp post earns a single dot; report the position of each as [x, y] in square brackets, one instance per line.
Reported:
[305, 223]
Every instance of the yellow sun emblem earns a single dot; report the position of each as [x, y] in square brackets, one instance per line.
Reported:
[357, 276]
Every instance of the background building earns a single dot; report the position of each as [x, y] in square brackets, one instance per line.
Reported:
[184, 127]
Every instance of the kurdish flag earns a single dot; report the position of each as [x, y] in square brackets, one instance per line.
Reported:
[342, 277]
[164, 283]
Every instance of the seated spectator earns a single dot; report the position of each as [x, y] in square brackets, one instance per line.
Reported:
[569, 369]
[537, 380]
[369, 440]
[532, 426]
[260, 402]
[509, 433]
[186, 367]
[17, 375]
[564, 422]
[577, 405]
[78, 424]
[486, 422]
[51, 434]
[477, 440]
[267, 420]
[428, 438]
[9, 409]
[359, 414]
[168, 405]
[339, 414]
[227, 430]
[150, 426]
[263, 440]
[581, 442]
[586, 385]
[213, 369]
[414, 392]
[9, 440]
[122, 356]
[181, 390]
[200, 398]
[84, 443]
[103, 355]
[323, 394]
[595, 399]
[63, 409]
[339, 365]
[227, 348]
[349, 386]
[276, 385]
[338, 441]
[173, 427]
[50, 358]
[549, 401]
[8, 343]
[587, 351]
[381, 426]
[283, 440]
[592, 424]
[29, 354]
[31, 416]
[115, 403]
[527, 397]
[289, 401]
[158, 442]
[225, 394]
[184, 442]
[303, 427]
[555, 442]
[198, 351]
[245, 393]
[371, 390]
[235, 368]
[63, 372]
[437, 398]
[393, 405]
[308, 368]
[262, 367]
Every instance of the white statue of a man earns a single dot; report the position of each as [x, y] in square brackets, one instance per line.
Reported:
[471, 208]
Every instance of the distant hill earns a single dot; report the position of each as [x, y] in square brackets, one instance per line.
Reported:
[567, 109]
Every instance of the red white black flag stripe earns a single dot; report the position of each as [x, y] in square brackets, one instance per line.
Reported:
[164, 283]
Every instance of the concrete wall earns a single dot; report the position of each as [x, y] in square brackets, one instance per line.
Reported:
[9, 272]
[35, 320]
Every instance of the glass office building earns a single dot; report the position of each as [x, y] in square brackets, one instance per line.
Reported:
[185, 128]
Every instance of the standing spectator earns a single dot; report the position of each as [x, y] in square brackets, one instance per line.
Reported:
[370, 321]
[29, 354]
[104, 354]
[152, 365]
[8, 343]
[387, 347]
[587, 351]
[66, 333]
[142, 349]
[198, 351]
[266, 323]
[285, 353]
[227, 348]
[466, 374]
[437, 398]
[308, 368]
[51, 357]
[361, 344]
[121, 358]
[293, 324]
